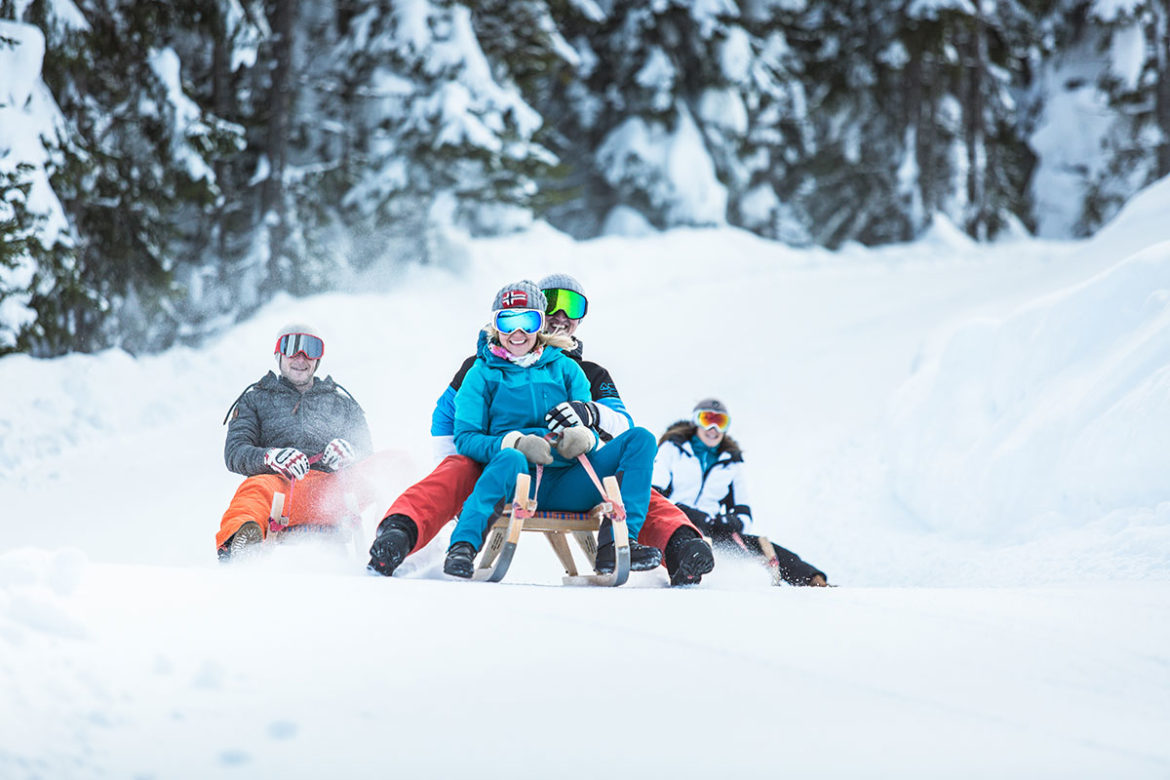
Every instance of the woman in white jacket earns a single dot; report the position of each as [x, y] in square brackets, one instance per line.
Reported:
[700, 468]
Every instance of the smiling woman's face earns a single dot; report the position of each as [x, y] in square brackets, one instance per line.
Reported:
[518, 342]
[710, 436]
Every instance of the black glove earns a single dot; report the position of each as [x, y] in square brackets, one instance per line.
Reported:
[700, 519]
[572, 413]
[729, 523]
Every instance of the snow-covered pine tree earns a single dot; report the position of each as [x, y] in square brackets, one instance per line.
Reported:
[768, 76]
[432, 136]
[1134, 40]
[129, 168]
[217, 44]
[638, 110]
[980, 52]
[35, 244]
[913, 105]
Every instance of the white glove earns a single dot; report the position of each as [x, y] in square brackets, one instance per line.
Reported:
[575, 441]
[337, 455]
[288, 461]
[535, 448]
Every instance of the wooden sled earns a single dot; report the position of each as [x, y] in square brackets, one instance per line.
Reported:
[557, 526]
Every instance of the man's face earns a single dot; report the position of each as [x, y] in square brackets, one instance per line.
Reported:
[298, 369]
[560, 323]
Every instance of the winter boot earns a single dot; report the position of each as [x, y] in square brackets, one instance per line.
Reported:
[688, 557]
[394, 541]
[244, 542]
[460, 560]
[642, 558]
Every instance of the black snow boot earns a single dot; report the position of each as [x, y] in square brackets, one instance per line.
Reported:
[688, 557]
[395, 539]
[642, 558]
[243, 543]
[460, 560]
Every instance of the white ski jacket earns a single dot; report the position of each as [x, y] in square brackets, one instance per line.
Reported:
[679, 475]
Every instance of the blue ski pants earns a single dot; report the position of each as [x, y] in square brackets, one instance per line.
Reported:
[629, 457]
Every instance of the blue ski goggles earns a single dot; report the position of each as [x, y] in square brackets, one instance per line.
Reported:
[572, 303]
[292, 344]
[512, 320]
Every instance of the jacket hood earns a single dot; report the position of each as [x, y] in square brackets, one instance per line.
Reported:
[681, 432]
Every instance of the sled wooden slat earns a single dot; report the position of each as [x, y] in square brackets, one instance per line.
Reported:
[560, 546]
[274, 514]
[588, 544]
[770, 560]
[556, 527]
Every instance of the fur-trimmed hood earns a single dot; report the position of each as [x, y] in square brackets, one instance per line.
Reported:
[682, 431]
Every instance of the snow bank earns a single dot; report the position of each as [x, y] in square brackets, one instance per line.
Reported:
[34, 588]
[1058, 412]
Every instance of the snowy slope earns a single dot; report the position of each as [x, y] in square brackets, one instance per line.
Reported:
[965, 437]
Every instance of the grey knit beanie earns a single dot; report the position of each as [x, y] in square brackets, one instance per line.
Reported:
[711, 405]
[561, 282]
[519, 295]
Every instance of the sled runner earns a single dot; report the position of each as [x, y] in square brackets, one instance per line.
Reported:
[521, 515]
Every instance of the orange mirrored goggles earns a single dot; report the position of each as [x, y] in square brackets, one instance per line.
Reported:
[708, 418]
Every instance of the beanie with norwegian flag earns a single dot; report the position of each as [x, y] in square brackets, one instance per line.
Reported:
[519, 295]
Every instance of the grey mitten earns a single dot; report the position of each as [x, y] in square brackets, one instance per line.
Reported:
[535, 448]
[575, 441]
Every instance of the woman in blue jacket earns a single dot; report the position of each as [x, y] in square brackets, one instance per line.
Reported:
[519, 376]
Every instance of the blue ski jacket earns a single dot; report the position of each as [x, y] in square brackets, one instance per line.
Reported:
[497, 397]
[615, 419]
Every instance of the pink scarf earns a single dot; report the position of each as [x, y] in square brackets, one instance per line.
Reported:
[524, 361]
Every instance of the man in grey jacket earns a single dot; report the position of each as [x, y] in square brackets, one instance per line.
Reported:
[293, 429]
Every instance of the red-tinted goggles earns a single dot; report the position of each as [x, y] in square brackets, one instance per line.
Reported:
[573, 304]
[292, 344]
[527, 320]
[707, 418]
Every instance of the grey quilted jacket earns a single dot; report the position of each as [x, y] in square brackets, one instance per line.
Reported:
[272, 413]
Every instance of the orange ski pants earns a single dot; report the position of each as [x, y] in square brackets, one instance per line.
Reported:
[320, 498]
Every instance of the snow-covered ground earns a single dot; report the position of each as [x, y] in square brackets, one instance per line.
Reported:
[969, 439]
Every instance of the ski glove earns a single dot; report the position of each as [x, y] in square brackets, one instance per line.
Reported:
[700, 519]
[570, 414]
[535, 448]
[575, 441]
[337, 455]
[288, 461]
[728, 523]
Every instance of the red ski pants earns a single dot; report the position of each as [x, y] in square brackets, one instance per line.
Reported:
[439, 496]
[320, 498]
